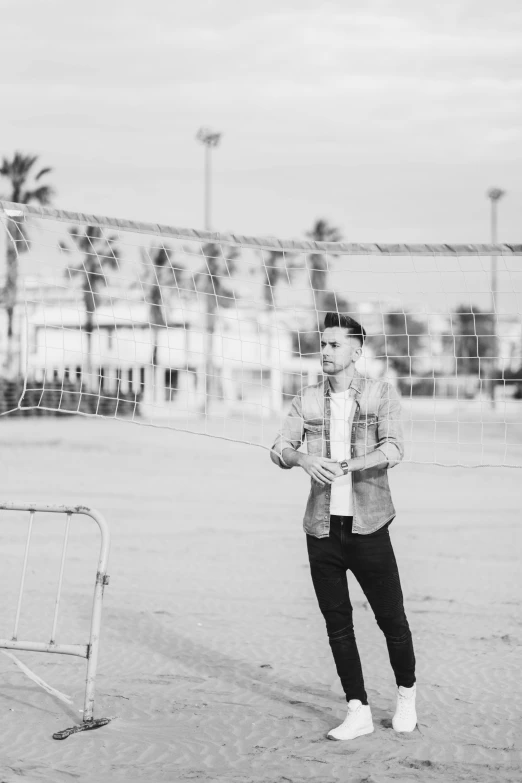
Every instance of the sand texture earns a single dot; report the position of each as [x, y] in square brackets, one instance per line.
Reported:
[215, 664]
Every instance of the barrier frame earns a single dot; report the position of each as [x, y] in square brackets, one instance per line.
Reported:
[90, 651]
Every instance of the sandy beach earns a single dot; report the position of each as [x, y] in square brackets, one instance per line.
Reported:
[214, 662]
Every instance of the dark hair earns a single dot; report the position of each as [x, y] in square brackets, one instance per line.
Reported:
[345, 322]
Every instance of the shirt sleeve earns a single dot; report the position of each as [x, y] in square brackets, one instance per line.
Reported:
[389, 426]
[291, 434]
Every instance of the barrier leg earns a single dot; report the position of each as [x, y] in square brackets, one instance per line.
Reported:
[102, 579]
[89, 722]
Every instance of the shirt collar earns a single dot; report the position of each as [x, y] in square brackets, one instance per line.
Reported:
[356, 384]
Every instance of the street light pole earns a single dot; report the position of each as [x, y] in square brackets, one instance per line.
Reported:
[494, 195]
[209, 139]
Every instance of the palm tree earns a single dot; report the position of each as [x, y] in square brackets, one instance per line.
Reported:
[474, 341]
[100, 255]
[322, 231]
[19, 170]
[160, 280]
[214, 282]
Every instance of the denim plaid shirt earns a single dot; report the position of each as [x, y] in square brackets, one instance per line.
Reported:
[374, 424]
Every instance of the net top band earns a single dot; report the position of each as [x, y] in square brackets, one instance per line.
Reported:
[22, 211]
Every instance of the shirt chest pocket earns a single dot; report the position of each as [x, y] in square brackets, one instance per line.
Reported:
[314, 431]
[366, 430]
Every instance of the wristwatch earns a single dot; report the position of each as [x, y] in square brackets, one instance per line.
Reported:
[344, 466]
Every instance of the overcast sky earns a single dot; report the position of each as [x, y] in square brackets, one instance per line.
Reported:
[390, 119]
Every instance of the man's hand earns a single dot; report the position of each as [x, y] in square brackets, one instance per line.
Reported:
[322, 469]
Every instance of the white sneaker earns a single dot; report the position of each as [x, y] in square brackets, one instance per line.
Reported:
[405, 718]
[358, 721]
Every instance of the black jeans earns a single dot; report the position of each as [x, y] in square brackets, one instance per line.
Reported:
[372, 561]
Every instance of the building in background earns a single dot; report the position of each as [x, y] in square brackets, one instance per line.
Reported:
[256, 360]
[253, 355]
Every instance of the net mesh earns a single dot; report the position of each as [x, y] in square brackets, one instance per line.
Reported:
[215, 334]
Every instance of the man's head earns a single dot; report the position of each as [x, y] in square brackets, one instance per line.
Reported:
[341, 342]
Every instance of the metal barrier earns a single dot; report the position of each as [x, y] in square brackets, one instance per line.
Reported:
[90, 650]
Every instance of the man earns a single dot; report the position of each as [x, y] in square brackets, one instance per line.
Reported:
[353, 434]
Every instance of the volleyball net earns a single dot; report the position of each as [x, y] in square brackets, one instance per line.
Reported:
[215, 334]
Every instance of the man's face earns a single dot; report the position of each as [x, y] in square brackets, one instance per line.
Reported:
[338, 350]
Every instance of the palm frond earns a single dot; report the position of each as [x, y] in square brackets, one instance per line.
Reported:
[43, 195]
[322, 231]
[42, 173]
[22, 164]
[100, 255]
[17, 170]
[80, 239]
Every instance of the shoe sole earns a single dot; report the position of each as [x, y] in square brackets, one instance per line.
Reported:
[404, 731]
[360, 733]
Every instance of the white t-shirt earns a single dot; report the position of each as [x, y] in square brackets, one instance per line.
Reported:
[341, 501]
